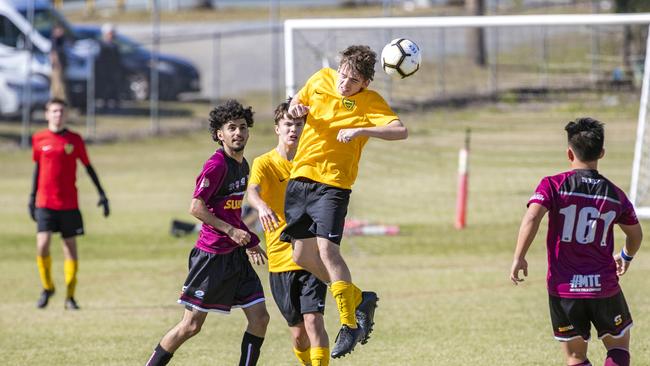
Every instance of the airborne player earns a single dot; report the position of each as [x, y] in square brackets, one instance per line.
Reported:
[342, 114]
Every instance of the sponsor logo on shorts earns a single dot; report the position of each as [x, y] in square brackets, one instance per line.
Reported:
[320, 305]
[331, 236]
[199, 294]
[618, 319]
[565, 329]
[80, 231]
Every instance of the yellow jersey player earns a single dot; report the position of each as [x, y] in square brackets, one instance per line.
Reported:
[341, 115]
[300, 296]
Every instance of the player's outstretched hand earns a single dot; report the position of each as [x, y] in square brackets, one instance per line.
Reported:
[32, 207]
[103, 201]
[268, 218]
[239, 236]
[256, 255]
[298, 110]
[621, 264]
[518, 265]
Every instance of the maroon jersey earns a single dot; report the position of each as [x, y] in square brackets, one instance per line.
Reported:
[221, 185]
[56, 155]
[583, 208]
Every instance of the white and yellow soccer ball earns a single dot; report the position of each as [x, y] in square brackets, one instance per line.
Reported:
[401, 57]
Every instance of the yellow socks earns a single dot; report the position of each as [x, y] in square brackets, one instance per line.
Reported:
[70, 267]
[347, 297]
[303, 356]
[45, 271]
[320, 356]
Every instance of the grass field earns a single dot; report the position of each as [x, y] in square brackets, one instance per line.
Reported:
[445, 294]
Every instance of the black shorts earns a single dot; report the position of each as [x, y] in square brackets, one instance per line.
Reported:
[572, 318]
[68, 222]
[297, 293]
[314, 209]
[219, 282]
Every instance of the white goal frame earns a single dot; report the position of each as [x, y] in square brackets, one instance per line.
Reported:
[501, 21]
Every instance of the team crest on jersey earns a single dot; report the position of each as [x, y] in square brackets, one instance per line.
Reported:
[205, 183]
[68, 148]
[348, 103]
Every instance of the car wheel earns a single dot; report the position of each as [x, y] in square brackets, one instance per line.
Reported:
[139, 87]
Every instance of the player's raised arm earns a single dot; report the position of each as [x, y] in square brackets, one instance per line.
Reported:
[395, 130]
[633, 237]
[199, 210]
[267, 216]
[527, 231]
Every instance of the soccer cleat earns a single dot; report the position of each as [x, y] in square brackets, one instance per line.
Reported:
[365, 314]
[346, 340]
[44, 298]
[71, 304]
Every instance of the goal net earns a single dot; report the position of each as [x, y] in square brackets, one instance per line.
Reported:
[467, 60]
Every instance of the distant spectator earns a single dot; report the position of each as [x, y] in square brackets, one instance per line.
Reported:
[59, 62]
[108, 69]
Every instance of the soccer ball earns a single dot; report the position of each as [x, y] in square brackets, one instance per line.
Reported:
[401, 57]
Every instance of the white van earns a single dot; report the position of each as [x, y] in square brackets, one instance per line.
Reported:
[15, 29]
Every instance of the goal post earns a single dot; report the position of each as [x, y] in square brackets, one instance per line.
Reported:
[532, 52]
[640, 183]
[497, 21]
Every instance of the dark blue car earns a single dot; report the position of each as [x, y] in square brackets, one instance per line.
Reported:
[176, 75]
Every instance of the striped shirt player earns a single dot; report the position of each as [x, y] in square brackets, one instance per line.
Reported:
[583, 207]
[222, 185]
[583, 273]
[220, 272]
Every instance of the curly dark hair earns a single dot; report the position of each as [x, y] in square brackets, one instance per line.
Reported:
[361, 59]
[229, 111]
[586, 137]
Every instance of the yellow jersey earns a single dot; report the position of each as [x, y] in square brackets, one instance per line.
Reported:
[320, 157]
[270, 172]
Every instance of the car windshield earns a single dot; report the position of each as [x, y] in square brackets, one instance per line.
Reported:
[45, 19]
[126, 45]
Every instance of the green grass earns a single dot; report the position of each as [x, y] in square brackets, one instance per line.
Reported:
[445, 294]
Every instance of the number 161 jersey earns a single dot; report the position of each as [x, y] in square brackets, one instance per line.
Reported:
[583, 208]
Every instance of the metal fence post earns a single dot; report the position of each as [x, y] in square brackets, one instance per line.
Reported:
[153, 82]
[216, 70]
[27, 90]
[91, 125]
